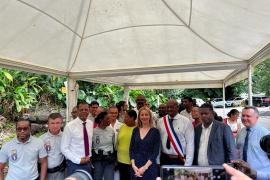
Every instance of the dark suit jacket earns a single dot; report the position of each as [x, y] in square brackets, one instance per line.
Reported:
[221, 144]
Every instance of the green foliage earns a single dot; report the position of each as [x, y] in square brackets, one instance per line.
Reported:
[52, 90]
[104, 93]
[261, 78]
[18, 90]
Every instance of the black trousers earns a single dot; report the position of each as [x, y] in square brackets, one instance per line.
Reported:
[124, 171]
[166, 160]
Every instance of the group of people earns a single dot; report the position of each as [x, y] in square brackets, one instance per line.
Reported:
[135, 143]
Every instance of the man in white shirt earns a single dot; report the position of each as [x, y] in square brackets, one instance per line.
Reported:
[214, 143]
[185, 133]
[74, 112]
[77, 141]
[188, 103]
[93, 107]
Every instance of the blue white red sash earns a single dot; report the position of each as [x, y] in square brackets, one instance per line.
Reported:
[174, 139]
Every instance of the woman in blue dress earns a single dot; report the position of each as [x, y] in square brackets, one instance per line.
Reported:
[144, 147]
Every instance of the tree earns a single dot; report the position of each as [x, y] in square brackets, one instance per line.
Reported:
[261, 77]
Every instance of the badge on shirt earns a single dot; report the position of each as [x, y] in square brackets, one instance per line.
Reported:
[97, 140]
[47, 146]
[14, 154]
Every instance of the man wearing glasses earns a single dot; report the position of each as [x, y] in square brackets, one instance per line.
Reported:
[22, 154]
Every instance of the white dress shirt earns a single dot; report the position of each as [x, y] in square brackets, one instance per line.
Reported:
[72, 145]
[185, 132]
[187, 115]
[116, 126]
[202, 156]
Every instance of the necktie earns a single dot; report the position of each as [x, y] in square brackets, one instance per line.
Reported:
[245, 148]
[86, 140]
[168, 143]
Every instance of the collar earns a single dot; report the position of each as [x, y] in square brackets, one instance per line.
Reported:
[253, 128]
[209, 127]
[81, 121]
[175, 117]
[51, 135]
[28, 141]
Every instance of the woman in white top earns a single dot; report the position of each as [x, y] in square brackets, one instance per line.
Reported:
[233, 122]
[103, 148]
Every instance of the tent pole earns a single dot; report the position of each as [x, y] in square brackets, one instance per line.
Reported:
[126, 93]
[250, 103]
[71, 96]
[223, 98]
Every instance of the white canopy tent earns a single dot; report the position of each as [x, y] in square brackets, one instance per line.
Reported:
[136, 43]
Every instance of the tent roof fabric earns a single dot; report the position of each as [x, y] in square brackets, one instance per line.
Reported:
[136, 43]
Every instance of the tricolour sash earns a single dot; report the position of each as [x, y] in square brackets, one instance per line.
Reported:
[174, 139]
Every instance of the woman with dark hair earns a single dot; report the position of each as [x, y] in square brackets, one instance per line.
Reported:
[103, 148]
[144, 147]
[122, 108]
[233, 122]
[123, 142]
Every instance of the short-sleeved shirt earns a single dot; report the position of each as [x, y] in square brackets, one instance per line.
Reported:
[22, 158]
[103, 139]
[52, 144]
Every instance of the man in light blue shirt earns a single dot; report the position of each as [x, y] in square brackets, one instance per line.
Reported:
[248, 143]
[52, 144]
[22, 154]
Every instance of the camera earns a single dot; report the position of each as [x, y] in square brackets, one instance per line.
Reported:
[171, 172]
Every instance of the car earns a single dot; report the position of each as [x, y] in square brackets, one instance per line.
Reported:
[259, 100]
[267, 100]
[229, 102]
[238, 101]
[218, 103]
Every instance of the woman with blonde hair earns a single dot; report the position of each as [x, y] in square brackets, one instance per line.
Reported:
[144, 147]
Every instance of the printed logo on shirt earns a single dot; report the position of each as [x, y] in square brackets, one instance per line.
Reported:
[47, 146]
[97, 140]
[14, 156]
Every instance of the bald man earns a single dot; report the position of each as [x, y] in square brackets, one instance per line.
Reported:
[179, 127]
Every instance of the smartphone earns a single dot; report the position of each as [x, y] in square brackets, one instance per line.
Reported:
[169, 172]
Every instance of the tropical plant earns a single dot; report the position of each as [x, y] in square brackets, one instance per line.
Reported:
[18, 90]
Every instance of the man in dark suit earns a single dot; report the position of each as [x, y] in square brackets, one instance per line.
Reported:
[214, 143]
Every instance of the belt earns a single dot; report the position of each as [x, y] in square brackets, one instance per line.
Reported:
[60, 167]
[171, 156]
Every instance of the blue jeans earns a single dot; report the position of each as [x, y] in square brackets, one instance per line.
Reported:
[103, 169]
[72, 167]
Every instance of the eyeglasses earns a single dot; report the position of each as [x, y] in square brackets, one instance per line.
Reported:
[22, 129]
